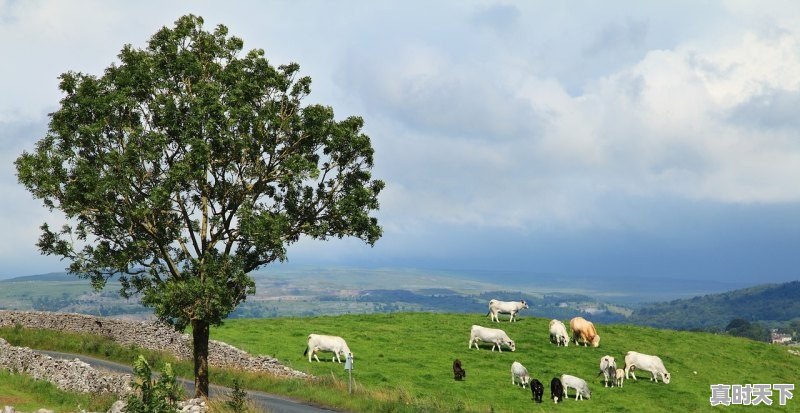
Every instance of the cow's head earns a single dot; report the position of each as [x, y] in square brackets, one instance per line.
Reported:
[511, 345]
[595, 341]
[665, 377]
[524, 304]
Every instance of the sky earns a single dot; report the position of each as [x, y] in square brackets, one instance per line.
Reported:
[578, 139]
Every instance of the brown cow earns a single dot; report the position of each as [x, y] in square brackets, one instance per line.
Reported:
[585, 331]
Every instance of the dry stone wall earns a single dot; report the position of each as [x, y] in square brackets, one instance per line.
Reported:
[151, 335]
[68, 375]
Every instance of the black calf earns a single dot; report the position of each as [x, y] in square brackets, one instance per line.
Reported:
[537, 390]
[556, 390]
[458, 372]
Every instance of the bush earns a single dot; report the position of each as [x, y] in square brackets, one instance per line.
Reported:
[151, 395]
[238, 398]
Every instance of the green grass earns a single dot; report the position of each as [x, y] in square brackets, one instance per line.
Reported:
[404, 363]
[409, 357]
[27, 394]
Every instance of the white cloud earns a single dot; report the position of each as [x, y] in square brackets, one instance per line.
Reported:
[660, 127]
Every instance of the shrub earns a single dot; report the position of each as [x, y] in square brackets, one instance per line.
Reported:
[153, 395]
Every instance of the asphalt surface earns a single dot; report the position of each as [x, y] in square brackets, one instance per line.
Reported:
[266, 402]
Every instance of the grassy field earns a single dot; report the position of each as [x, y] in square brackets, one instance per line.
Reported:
[409, 357]
[26, 394]
[404, 360]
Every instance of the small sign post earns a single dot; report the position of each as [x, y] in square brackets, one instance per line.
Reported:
[348, 365]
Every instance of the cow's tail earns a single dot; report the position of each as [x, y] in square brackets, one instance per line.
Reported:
[305, 352]
[487, 313]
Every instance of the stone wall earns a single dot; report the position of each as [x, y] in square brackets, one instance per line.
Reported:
[146, 334]
[68, 375]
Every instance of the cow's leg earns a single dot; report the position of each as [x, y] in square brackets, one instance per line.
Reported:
[315, 356]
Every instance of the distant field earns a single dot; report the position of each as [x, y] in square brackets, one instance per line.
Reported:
[409, 358]
[310, 292]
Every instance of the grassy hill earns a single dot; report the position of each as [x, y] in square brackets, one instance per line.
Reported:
[404, 360]
[408, 357]
[773, 302]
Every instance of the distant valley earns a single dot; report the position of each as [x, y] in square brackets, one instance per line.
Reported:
[305, 292]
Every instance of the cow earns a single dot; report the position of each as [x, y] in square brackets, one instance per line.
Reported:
[490, 335]
[653, 364]
[558, 333]
[319, 342]
[458, 372]
[585, 331]
[537, 390]
[620, 376]
[608, 368]
[556, 390]
[580, 386]
[505, 307]
[518, 371]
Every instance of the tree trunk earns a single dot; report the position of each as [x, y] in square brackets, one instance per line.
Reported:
[200, 334]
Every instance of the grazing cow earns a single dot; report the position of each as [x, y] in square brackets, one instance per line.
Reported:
[490, 335]
[585, 331]
[505, 307]
[537, 390]
[319, 342]
[458, 372]
[518, 371]
[608, 368]
[620, 376]
[558, 333]
[556, 390]
[653, 364]
[580, 386]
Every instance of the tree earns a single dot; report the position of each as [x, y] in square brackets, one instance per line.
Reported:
[186, 166]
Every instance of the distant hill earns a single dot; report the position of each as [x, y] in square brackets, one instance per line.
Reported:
[51, 276]
[771, 302]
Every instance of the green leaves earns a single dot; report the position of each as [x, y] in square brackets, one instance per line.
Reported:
[153, 395]
[189, 164]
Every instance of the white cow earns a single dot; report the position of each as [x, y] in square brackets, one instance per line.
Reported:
[580, 386]
[608, 368]
[653, 364]
[505, 307]
[620, 376]
[319, 342]
[558, 333]
[490, 335]
[518, 371]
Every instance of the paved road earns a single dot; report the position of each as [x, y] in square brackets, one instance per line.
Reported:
[267, 402]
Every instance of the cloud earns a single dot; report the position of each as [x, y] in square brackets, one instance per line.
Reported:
[525, 154]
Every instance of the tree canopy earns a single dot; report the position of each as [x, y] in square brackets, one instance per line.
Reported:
[187, 165]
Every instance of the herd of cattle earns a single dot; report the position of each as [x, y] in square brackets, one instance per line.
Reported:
[583, 332]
